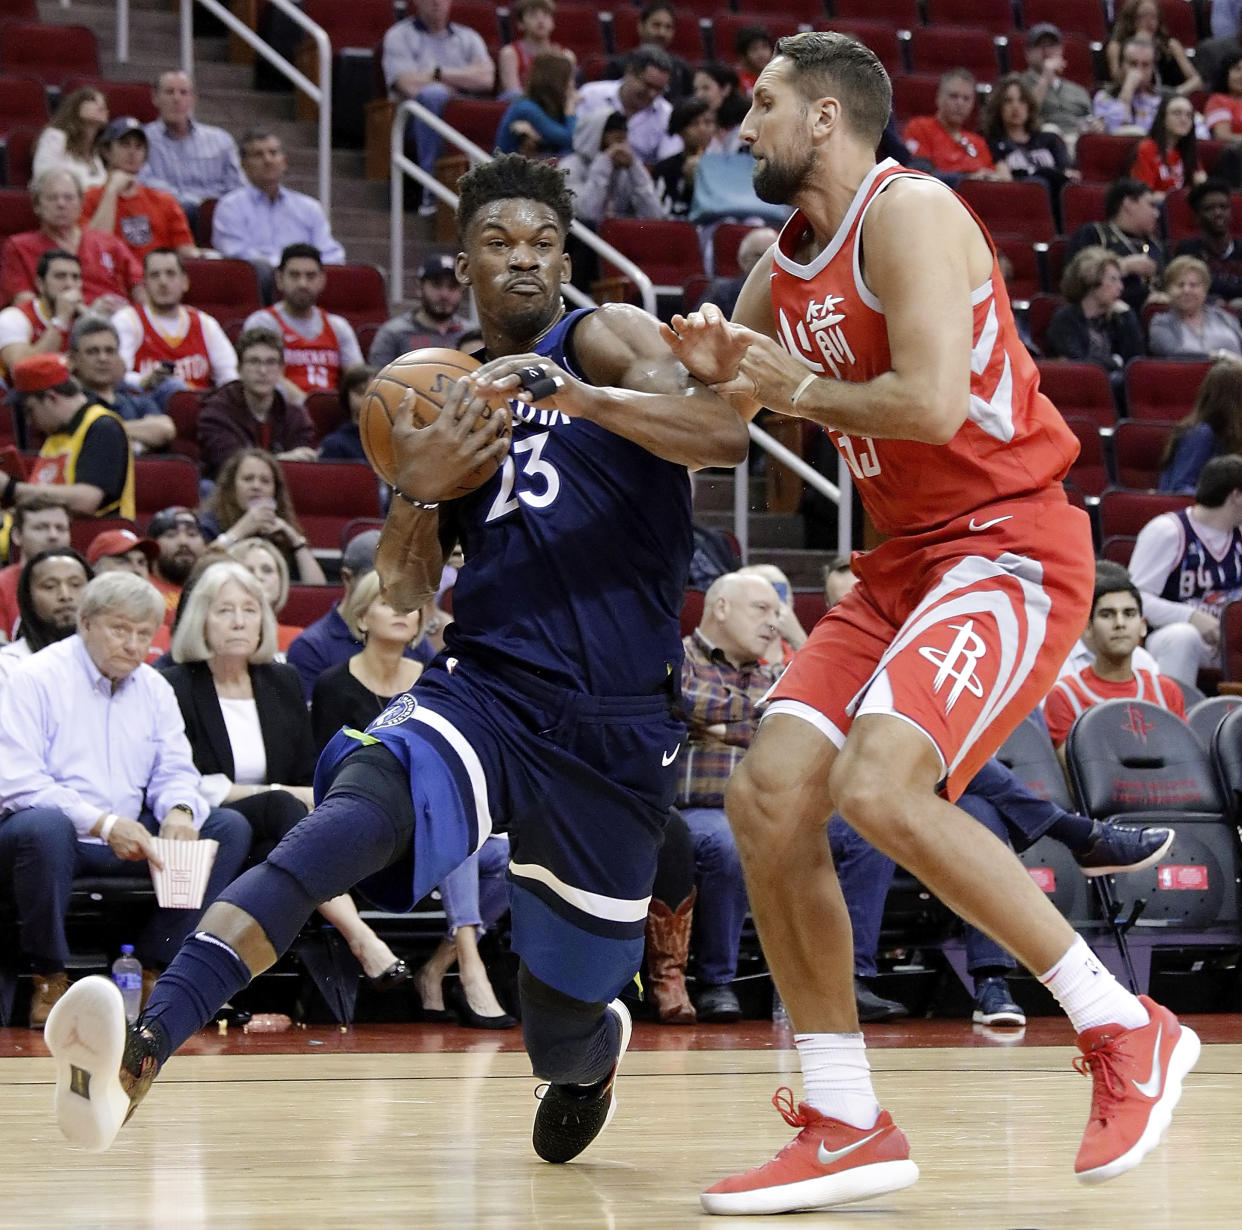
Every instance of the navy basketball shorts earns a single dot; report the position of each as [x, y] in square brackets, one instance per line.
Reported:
[581, 783]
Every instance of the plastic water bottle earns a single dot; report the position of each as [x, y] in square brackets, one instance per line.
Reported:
[127, 974]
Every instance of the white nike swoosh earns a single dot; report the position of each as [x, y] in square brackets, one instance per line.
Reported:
[826, 1157]
[1151, 1086]
[987, 525]
[668, 757]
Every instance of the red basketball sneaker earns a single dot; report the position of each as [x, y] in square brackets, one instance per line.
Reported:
[1138, 1080]
[827, 1163]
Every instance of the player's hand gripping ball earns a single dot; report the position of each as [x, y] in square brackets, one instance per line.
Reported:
[431, 373]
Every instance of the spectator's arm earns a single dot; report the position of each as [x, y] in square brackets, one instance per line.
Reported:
[1191, 81]
[1113, 112]
[174, 779]
[507, 71]
[129, 334]
[220, 353]
[331, 251]
[593, 198]
[477, 77]
[403, 69]
[151, 431]
[347, 342]
[228, 230]
[1156, 552]
[15, 343]
[219, 437]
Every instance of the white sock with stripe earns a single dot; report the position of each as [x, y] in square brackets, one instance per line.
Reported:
[837, 1077]
[1089, 994]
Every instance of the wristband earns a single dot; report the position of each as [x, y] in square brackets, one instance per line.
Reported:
[105, 829]
[409, 499]
[806, 380]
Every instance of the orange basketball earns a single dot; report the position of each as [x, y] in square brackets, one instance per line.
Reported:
[431, 373]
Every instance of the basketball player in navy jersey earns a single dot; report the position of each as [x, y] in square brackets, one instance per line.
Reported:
[550, 713]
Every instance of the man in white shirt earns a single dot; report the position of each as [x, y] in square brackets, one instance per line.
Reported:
[166, 345]
[639, 96]
[1188, 567]
[42, 324]
[94, 762]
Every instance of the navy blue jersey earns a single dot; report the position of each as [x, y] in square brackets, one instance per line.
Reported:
[1199, 577]
[577, 552]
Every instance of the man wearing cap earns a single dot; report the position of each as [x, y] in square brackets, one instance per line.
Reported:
[86, 461]
[319, 346]
[39, 522]
[179, 540]
[328, 640]
[122, 551]
[41, 325]
[433, 321]
[1064, 104]
[141, 216]
[110, 271]
[94, 763]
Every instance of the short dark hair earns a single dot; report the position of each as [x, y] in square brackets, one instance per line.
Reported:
[828, 60]
[656, 6]
[749, 35]
[35, 502]
[355, 376]
[300, 251]
[87, 326]
[255, 134]
[511, 177]
[163, 252]
[53, 254]
[1120, 191]
[685, 113]
[646, 56]
[1218, 479]
[1110, 583]
[1212, 186]
[37, 633]
[249, 338]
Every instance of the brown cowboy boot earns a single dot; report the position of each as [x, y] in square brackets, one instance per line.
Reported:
[48, 988]
[668, 947]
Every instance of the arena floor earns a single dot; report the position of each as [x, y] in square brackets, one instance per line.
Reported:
[429, 1127]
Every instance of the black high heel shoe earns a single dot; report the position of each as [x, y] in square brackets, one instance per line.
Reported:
[396, 974]
[433, 1016]
[455, 996]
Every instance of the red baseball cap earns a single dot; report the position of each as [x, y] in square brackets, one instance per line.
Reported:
[40, 372]
[120, 542]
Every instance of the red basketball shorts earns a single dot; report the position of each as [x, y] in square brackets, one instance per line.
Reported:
[959, 631]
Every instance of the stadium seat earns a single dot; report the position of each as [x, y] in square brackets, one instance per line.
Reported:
[326, 413]
[202, 223]
[356, 292]
[1089, 473]
[1163, 389]
[19, 146]
[360, 23]
[477, 119]
[1137, 449]
[1103, 157]
[578, 28]
[359, 525]
[53, 54]
[16, 212]
[1081, 203]
[23, 102]
[914, 94]
[1126, 512]
[1039, 314]
[668, 252]
[936, 49]
[1231, 641]
[1079, 57]
[901, 14]
[1025, 281]
[222, 288]
[1226, 752]
[725, 25]
[879, 36]
[994, 16]
[124, 97]
[687, 33]
[1021, 209]
[328, 495]
[18, 10]
[726, 239]
[1118, 548]
[82, 530]
[1205, 716]
[1079, 389]
[1179, 219]
[484, 17]
[307, 603]
[691, 610]
[1085, 17]
[183, 408]
[162, 481]
[1178, 17]
[366, 335]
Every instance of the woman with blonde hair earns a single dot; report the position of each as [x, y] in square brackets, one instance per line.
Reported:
[250, 734]
[262, 558]
[354, 693]
[1192, 328]
[68, 142]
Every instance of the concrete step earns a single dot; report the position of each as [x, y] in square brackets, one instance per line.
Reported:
[766, 529]
[713, 491]
[803, 568]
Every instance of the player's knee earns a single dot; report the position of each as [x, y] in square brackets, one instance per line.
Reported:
[868, 798]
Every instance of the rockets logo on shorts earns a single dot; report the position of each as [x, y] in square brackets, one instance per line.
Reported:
[400, 710]
[957, 663]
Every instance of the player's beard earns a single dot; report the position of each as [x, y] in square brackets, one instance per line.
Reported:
[779, 182]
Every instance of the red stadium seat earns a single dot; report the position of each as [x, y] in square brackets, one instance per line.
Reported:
[359, 525]
[1118, 548]
[23, 102]
[1137, 450]
[222, 288]
[915, 94]
[1089, 473]
[16, 212]
[327, 495]
[1039, 313]
[1081, 203]
[902, 14]
[1023, 283]
[307, 603]
[1079, 57]
[994, 16]
[83, 530]
[366, 335]
[162, 481]
[578, 28]
[1179, 218]
[687, 33]
[477, 119]
[1231, 641]
[356, 292]
[183, 408]
[668, 252]
[19, 156]
[1178, 17]
[360, 23]
[1126, 512]
[1023, 208]
[1085, 17]
[124, 97]
[691, 610]
[1079, 390]
[726, 239]
[326, 413]
[936, 49]
[879, 36]
[19, 10]
[725, 25]
[54, 54]
[1103, 157]
[202, 223]
[1163, 389]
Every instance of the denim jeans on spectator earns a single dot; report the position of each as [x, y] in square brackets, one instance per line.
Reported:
[721, 907]
[476, 894]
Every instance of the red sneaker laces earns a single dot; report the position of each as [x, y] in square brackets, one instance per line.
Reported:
[782, 1099]
[1109, 1086]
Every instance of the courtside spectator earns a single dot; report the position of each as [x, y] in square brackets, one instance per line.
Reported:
[1109, 576]
[718, 86]
[1192, 328]
[1128, 105]
[345, 442]
[193, 161]
[1212, 428]
[96, 363]
[139, 215]
[122, 551]
[269, 565]
[639, 97]
[535, 21]
[85, 461]
[39, 522]
[1215, 244]
[1061, 103]
[110, 271]
[166, 345]
[318, 345]
[48, 595]
[252, 411]
[944, 140]
[94, 762]
[68, 142]
[1187, 566]
[431, 59]
[1131, 219]
[42, 325]
[435, 320]
[606, 175]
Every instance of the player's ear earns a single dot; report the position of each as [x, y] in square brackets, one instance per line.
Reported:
[462, 275]
[566, 266]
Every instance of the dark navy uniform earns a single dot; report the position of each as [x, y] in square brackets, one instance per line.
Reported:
[550, 713]
[1200, 577]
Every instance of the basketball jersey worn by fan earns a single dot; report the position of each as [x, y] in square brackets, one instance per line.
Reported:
[1199, 577]
[1013, 443]
[25, 322]
[312, 363]
[1073, 694]
[187, 352]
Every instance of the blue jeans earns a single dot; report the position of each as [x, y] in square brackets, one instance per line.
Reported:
[722, 903]
[475, 894]
[40, 854]
[982, 952]
[865, 875]
[427, 143]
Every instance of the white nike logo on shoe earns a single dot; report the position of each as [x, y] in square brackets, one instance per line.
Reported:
[1150, 1088]
[668, 757]
[987, 525]
[826, 1157]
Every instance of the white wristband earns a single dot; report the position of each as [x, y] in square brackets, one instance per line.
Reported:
[810, 378]
[109, 823]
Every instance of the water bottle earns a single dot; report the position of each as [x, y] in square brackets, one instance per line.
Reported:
[127, 974]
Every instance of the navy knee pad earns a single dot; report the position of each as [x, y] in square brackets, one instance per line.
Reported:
[275, 899]
[569, 1041]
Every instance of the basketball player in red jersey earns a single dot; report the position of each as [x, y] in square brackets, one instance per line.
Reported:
[880, 314]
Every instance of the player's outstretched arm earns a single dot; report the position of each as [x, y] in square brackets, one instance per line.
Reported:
[638, 390]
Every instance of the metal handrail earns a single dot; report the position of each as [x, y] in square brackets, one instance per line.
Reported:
[476, 154]
[320, 94]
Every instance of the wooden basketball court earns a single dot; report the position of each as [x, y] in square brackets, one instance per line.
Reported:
[421, 1126]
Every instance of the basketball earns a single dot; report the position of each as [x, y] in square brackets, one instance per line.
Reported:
[430, 372]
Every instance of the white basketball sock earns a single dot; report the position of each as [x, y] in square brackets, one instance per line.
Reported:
[1089, 994]
[837, 1077]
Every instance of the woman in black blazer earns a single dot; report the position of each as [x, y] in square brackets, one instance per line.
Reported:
[250, 733]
